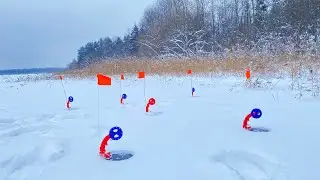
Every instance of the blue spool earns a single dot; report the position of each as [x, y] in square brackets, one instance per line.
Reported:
[193, 90]
[124, 96]
[70, 99]
[115, 133]
[256, 113]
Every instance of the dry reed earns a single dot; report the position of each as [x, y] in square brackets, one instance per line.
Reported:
[272, 66]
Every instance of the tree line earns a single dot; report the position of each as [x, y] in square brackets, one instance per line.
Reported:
[195, 28]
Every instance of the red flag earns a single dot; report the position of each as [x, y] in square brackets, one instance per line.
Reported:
[60, 77]
[141, 75]
[122, 77]
[103, 80]
[248, 74]
[189, 71]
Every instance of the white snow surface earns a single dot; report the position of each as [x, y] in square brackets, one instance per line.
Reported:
[183, 138]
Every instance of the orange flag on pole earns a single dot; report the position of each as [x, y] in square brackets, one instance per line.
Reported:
[121, 79]
[64, 90]
[141, 75]
[248, 73]
[103, 80]
[189, 72]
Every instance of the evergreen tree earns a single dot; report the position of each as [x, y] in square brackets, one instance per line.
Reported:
[117, 47]
[133, 41]
[126, 45]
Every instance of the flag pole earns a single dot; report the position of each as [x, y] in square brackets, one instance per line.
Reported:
[191, 82]
[120, 88]
[144, 90]
[64, 90]
[104, 81]
[98, 113]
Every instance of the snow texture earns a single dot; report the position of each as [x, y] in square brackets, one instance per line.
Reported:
[183, 138]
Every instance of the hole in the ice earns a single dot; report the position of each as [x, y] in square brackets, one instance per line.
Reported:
[260, 129]
[154, 113]
[121, 155]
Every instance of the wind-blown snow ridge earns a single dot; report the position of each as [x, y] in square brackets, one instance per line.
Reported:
[38, 156]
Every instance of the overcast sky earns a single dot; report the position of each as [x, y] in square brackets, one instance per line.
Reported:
[47, 33]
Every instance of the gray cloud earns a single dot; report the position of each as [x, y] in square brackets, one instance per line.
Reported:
[40, 33]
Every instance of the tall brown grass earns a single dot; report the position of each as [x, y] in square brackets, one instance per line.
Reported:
[272, 65]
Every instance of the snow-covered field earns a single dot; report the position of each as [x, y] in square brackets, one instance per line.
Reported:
[184, 137]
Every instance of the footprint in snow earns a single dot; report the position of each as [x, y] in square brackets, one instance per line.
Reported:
[36, 157]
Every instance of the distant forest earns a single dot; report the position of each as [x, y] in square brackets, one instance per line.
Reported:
[198, 28]
[30, 71]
